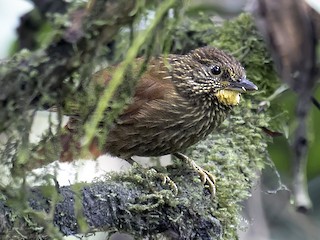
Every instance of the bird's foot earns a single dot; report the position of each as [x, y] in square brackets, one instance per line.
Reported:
[165, 179]
[206, 177]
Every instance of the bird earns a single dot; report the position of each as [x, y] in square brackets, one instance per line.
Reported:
[178, 101]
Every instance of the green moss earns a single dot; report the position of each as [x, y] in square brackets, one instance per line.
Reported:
[187, 210]
[234, 154]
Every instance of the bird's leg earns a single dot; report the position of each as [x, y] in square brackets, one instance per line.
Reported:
[166, 180]
[206, 177]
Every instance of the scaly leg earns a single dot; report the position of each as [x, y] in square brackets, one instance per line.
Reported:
[206, 177]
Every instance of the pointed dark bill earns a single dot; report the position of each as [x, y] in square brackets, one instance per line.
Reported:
[243, 86]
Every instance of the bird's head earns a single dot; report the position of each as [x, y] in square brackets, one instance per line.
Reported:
[208, 71]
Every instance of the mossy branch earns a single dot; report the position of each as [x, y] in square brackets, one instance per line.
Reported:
[134, 202]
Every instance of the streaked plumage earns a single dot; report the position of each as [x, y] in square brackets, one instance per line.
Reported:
[178, 101]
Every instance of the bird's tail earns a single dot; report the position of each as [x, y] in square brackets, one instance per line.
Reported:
[65, 146]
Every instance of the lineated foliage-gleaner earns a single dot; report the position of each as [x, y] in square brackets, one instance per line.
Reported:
[178, 101]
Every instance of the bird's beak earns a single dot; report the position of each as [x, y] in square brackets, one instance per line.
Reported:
[242, 86]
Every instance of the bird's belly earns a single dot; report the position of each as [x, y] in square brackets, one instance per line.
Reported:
[162, 136]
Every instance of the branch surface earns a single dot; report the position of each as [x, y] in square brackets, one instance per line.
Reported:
[134, 202]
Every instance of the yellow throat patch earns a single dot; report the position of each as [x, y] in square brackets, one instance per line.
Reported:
[228, 97]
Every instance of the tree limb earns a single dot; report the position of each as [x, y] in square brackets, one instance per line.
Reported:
[134, 202]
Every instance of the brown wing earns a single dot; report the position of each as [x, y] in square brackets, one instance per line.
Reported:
[149, 110]
[154, 85]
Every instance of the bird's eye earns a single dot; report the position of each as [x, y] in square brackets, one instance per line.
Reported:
[215, 70]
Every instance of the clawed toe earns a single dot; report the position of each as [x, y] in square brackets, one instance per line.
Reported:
[206, 177]
[166, 180]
